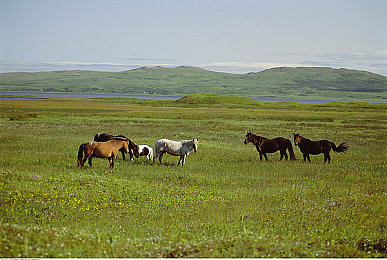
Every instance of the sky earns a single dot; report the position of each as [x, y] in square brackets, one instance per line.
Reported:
[235, 36]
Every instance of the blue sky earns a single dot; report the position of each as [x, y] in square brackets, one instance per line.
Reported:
[237, 36]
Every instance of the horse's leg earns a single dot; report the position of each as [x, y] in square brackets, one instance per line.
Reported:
[308, 157]
[184, 156]
[90, 163]
[265, 156]
[283, 154]
[183, 160]
[131, 154]
[161, 157]
[85, 159]
[113, 160]
[304, 157]
[180, 160]
[123, 154]
[329, 158]
[260, 156]
[325, 157]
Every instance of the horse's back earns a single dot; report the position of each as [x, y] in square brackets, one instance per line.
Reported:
[144, 146]
[103, 137]
[166, 142]
[316, 147]
[169, 146]
[105, 149]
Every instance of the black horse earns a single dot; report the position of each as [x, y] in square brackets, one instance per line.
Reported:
[316, 147]
[133, 147]
[265, 145]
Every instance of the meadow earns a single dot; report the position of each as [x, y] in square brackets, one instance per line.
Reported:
[223, 203]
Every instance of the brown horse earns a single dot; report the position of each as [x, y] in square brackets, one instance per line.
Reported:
[316, 147]
[265, 145]
[108, 149]
[133, 147]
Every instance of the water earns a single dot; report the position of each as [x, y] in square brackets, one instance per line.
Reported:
[85, 95]
[149, 97]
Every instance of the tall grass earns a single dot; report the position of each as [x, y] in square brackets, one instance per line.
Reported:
[223, 203]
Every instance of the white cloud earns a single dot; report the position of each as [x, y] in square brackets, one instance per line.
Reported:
[71, 65]
[381, 54]
[252, 64]
[245, 67]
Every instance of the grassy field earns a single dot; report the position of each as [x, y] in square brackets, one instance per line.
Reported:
[223, 203]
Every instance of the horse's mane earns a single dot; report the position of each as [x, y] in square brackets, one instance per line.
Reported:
[120, 138]
[302, 138]
[257, 137]
[188, 141]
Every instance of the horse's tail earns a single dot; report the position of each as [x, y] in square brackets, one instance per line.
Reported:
[339, 149]
[291, 152]
[155, 152]
[151, 155]
[80, 153]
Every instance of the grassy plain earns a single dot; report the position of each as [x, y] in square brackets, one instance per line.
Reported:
[223, 203]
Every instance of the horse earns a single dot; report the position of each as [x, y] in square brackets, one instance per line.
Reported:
[108, 149]
[316, 147]
[133, 147]
[182, 149]
[146, 150]
[265, 145]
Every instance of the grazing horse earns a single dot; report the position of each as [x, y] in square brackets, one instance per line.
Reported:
[133, 148]
[265, 145]
[182, 148]
[146, 150]
[108, 149]
[316, 147]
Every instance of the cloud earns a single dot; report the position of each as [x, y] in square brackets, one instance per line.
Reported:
[149, 59]
[380, 54]
[244, 67]
[71, 65]
[372, 61]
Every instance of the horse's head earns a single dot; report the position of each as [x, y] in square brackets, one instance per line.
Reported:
[248, 138]
[195, 144]
[136, 150]
[126, 146]
[297, 139]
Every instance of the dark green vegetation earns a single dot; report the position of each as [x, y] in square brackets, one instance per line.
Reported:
[322, 83]
[223, 203]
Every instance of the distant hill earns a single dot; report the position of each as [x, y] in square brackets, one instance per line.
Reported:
[302, 82]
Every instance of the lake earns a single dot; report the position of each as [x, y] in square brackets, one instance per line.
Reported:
[149, 97]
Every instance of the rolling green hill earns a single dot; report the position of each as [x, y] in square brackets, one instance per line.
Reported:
[318, 82]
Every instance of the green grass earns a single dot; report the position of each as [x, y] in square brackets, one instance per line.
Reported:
[307, 83]
[223, 203]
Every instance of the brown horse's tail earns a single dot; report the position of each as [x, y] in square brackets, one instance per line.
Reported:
[291, 152]
[80, 154]
[339, 149]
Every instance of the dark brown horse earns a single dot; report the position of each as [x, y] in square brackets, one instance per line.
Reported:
[108, 149]
[316, 147]
[265, 145]
[133, 148]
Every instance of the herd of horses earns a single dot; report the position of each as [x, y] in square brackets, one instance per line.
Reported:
[108, 146]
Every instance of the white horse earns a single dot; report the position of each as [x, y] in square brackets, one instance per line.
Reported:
[182, 148]
[146, 150]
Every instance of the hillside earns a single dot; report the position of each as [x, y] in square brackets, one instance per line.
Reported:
[284, 82]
